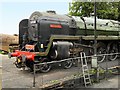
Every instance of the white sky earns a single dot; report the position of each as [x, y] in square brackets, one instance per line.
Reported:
[13, 11]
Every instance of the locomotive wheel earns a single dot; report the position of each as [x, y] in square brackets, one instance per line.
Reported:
[101, 49]
[67, 64]
[112, 48]
[45, 68]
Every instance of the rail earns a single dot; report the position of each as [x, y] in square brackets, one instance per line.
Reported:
[77, 58]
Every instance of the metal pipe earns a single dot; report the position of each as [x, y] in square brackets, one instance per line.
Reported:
[95, 36]
[95, 42]
[34, 76]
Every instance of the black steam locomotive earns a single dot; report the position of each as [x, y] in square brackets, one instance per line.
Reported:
[47, 36]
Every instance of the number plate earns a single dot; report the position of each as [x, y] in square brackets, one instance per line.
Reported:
[30, 47]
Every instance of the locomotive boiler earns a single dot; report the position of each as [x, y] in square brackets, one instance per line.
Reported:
[47, 36]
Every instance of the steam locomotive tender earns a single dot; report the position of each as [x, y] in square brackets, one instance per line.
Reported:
[46, 37]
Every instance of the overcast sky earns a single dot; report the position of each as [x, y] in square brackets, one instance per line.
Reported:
[13, 11]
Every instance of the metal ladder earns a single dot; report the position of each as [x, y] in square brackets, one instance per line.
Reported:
[85, 71]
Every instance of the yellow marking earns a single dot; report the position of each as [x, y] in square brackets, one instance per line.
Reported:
[19, 60]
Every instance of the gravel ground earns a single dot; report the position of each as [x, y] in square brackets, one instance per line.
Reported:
[15, 78]
[113, 82]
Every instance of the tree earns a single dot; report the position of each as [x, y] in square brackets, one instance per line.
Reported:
[119, 11]
[105, 10]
